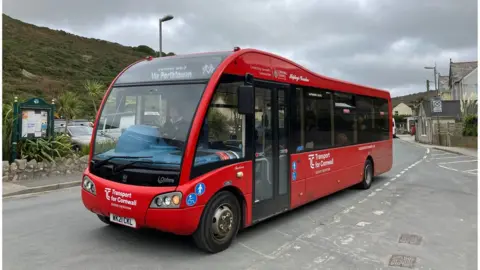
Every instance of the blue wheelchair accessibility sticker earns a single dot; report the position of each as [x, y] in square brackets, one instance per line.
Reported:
[294, 176]
[191, 199]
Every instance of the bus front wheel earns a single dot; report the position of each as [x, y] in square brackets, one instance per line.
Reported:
[219, 223]
[104, 219]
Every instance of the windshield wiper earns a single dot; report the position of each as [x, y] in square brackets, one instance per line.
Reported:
[120, 168]
[105, 161]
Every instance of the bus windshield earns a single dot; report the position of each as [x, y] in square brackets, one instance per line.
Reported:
[147, 121]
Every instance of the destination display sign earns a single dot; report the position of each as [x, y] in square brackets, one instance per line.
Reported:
[188, 67]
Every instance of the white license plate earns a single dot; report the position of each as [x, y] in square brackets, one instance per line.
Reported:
[130, 222]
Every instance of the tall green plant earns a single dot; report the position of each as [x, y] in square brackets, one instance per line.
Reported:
[95, 90]
[470, 126]
[69, 106]
[7, 130]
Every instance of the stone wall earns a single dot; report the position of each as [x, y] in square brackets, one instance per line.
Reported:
[464, 141]
[22, 169]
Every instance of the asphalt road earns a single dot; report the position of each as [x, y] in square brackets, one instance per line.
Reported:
[420, 210]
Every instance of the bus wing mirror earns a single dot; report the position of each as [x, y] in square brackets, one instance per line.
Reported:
[246, 100]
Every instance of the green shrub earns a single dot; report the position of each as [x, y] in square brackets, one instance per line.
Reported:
[104, 146]
[47, 149]
[85, 150]
[470, 126]
[99, 148]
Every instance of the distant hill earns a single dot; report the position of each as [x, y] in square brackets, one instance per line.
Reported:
[44, 62]
[413, 99]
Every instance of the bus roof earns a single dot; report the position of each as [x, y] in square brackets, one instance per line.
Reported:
[201, 66]
[311, 72]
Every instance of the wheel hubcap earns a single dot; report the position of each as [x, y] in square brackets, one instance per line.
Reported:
[368, 174]
[222, 222]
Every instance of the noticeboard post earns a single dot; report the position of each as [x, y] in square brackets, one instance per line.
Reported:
[436, 105]
[32, 119]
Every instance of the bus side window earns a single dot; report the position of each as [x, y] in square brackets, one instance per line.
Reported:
[220, 138]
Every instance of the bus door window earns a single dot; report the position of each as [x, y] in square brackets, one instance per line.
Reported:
[283, 166]
[263, 143]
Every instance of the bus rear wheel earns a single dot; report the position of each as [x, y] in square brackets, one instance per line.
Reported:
[219, 224]
[367, 175]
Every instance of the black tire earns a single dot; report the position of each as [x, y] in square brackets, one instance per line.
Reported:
[105, 219]
[223, 206]
[367, 175]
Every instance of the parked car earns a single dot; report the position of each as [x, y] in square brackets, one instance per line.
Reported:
[81, 136]
[59, 124]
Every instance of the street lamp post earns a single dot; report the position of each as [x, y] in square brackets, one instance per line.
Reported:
[164, 19]
[434, 76]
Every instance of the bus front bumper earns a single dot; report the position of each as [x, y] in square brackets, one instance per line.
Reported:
[130, 206]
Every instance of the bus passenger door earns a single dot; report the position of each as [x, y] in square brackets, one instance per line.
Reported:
[271, 189]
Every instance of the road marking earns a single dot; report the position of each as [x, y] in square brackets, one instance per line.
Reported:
[345, 211]
[398, 175]
[448, 168]
[386, 184]
[457, 156]
[442, 154]
[428, 150]
[363, 223]
[284, 234]
[471, 170]
[257, 252]
[461, 161]
[378, 189]
[363, 200]
[311, 219]
[378, 212]
[372, 194]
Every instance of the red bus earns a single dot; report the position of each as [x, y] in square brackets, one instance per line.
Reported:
[208, 144]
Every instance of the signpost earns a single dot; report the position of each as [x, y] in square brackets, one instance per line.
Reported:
[436, 104]
[32, 120]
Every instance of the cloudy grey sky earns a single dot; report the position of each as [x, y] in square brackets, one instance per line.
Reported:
[380, 43]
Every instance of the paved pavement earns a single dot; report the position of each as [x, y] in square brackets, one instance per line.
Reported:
[40, 185]
[458, 150]
[420, 212]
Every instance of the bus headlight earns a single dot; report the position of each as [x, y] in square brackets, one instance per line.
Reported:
[88, 185]
[167, 200]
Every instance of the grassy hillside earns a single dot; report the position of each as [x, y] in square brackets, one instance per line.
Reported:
[38, 61]
[413, 99]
